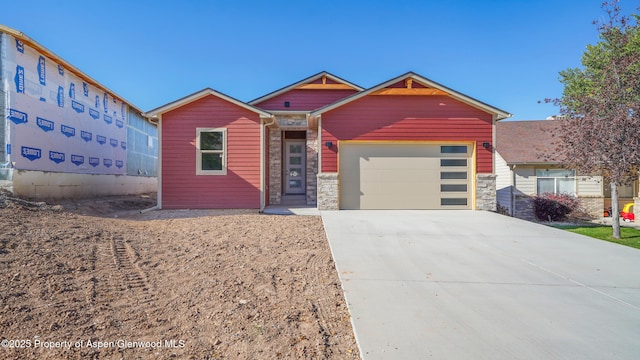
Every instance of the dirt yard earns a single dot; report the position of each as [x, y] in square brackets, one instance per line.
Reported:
[98, 280]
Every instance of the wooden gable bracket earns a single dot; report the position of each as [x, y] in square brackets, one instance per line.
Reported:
[324, 86]
[409, 90]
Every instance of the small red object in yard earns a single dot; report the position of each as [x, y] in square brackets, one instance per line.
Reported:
[627, 213]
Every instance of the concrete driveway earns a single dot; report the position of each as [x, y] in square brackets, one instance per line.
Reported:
[478, 285]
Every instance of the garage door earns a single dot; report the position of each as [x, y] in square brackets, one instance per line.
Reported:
[405, 176]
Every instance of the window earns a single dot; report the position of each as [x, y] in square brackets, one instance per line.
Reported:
[453, 201]
[453, 175]
[211, 151]
[453, 149]
[453, 187]
[453, 162]
[556, 181]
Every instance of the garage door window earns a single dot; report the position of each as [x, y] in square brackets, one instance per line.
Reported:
[453, 175]
[453, 201]
[453, 162]
[453, 149]
[453, 187]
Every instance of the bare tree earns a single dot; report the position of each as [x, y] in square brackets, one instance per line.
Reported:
[600, 106]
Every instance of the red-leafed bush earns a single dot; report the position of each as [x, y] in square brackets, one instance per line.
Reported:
[554, 207]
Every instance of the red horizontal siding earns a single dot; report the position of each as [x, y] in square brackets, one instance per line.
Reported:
[407, 118]
[181, 188]
[304, 99]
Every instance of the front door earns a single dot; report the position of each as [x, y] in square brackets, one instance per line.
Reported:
[294, 171]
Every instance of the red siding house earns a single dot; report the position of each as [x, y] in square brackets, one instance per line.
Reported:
[408, 143]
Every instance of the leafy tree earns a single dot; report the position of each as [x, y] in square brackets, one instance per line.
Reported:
[600, 106]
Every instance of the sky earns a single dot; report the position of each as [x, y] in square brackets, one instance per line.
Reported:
[506, 53]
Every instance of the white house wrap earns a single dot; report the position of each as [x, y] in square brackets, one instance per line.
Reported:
[58, 122]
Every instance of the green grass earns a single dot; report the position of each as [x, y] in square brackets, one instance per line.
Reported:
[628, 236]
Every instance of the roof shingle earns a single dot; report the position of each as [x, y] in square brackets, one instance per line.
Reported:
[521, 142]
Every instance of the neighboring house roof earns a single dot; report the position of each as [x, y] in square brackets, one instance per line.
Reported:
[34, 44]
[339, 84]
[527, 142]
[427, 85]
[201, 94]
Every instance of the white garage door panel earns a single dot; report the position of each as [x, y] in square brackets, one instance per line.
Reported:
[397, 176]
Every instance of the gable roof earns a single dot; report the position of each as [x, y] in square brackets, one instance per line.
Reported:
[201, 94]
[306, 81]
[438, 89]
[527, 142]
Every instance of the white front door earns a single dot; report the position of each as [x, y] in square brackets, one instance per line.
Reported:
[294, 170]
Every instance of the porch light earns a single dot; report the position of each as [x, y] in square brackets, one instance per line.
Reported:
[328, 144]
[485, 145]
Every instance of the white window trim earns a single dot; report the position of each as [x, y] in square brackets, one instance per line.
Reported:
[199, 152]
[555, 181]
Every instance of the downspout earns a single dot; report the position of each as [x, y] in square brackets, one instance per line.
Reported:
[512, 209]
[263, 127]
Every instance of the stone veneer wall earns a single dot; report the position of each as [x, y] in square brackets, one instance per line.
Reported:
[328, 191]
[275, 166]
[593, 206]
[486, 192]
[312, 167]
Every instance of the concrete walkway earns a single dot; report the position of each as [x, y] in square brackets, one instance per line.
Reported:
[302, 210]
[478, 285]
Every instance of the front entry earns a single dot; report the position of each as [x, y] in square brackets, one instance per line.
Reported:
[294, 166]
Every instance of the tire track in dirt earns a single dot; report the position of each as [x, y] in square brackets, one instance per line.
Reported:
[319, 308]
[124, 259]
[119, 292]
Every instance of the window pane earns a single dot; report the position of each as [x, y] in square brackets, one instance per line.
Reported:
[211, 140]
[567, 186]
[555, 172]
[453, 187]
[453, 162]
[211, 161]
[623, 191]
[453, 149]
[453, 201]
[295, 160]
[545, 186]
[295, 172]
[453, 175]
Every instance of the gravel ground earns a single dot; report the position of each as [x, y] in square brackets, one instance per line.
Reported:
[98, 280]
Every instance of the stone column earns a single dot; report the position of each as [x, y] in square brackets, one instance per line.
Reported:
[328, 191]
[312, 166]
[275, 166]
[486, 192]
